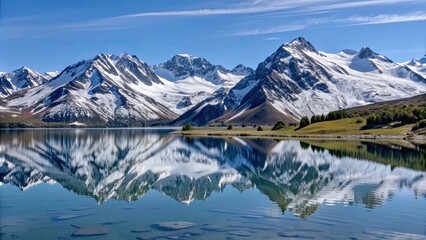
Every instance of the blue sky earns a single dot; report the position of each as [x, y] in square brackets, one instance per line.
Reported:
[50, 35]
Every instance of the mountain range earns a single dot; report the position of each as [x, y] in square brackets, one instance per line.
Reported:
[23, 78]
[121, 90]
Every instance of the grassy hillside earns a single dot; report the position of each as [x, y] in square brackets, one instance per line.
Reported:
[351, 126]
[347, 126]
[373, 108]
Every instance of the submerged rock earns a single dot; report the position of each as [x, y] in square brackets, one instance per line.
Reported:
[240, 233]
[70, 216]
[282, 234]
[144, 230]
[212, 228]
[75, 226]
[252, 216]
[91, 231]
[179, 234]
[172, 226]
[81, 209]
[114, 222]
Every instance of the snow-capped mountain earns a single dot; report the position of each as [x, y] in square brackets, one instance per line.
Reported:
[186, 67]
[221, 101]
[418, 65]
[123, 90]
[124, 165]
[297, 80]
[242, 70]
[106, 90]
[22, 78]
[191, 79]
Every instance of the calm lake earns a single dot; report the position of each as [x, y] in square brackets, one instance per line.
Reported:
[149, 184]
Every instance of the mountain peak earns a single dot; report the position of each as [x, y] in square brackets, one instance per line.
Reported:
[120, 59]
[301, 44]
[101, 55]
[23, 68]
[186, 55]
[19, 79]
[366, 53]
[115, 56]
[182, 65]
[423, 59]
[242, 70]
[417, 62]
[188, 59]
[301, 40]
[126, 55]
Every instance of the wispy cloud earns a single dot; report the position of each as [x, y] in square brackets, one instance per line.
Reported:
[262, 6]
[17, 20]
[384, 19]
[253, 10]
[248, 8]
[334, 5]
[299, 7]
[349, 21]
[277, 29]
[272, 39]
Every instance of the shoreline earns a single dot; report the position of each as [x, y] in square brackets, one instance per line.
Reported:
[196, 133]
[341, 129]
[243, 133]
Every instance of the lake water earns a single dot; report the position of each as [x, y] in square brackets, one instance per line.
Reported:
[149, 184]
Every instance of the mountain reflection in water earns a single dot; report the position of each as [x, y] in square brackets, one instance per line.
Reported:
[124, 164]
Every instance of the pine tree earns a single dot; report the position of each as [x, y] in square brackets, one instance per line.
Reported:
[304, 122]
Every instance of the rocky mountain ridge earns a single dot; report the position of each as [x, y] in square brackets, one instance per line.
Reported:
[296, 80]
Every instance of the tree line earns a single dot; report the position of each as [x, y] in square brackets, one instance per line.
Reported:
[403, 114]
[333, 115]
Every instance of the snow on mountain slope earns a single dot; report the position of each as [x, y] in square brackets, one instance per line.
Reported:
[22, 78]
[106, 90]
[181, 95]
[50, 75]
[184, 67]
[191, 79]
[219, 103]
[418, 65]
[121, 89]
[297, 80]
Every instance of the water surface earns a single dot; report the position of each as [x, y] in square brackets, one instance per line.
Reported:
[124, 182]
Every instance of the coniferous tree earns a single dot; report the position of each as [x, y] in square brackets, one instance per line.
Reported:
[187, 127]
[278, 125]
[304, 122]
